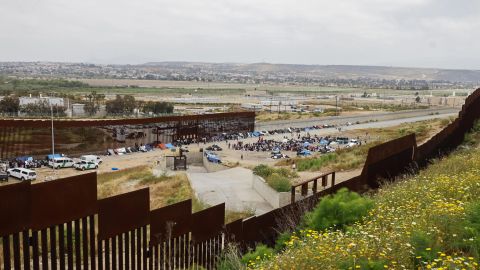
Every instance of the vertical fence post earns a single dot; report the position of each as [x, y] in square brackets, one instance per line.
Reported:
[293, 195]
[314, 188]
[333, 179]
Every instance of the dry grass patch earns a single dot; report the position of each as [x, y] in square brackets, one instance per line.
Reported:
[164, 189]
[236, 215]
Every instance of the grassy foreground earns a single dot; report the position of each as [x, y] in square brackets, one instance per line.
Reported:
[428, 221]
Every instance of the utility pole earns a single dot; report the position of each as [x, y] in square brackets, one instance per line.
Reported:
[53, 140]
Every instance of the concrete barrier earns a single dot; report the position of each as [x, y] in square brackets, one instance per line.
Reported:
[194, 158]
[274, 198]
[213, 167]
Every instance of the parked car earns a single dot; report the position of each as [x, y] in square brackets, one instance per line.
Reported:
[85, 165]
[279, 156]
[22, 174]
[214, 148]
[304, 152]
[213, 158]
[3, 176]
[62, 162]
[275, 151]
[91, 158]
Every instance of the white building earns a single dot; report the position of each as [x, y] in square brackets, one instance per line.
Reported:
[54, 101]
[78, 109]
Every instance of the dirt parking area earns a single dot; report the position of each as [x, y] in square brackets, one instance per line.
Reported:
[109, 162]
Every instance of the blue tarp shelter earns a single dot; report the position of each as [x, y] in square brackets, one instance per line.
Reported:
[49, 157]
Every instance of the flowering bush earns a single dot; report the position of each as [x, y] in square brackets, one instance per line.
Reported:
[429, 221]
[339, 210]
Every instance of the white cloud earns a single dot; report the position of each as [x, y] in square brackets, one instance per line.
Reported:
[371, 32]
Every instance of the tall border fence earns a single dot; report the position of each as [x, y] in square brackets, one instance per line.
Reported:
[20, 137]
[62, 225]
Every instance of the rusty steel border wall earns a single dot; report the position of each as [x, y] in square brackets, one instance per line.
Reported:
[62, 225]
[16, 134]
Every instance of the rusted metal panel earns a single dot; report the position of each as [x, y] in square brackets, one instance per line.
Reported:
[250, 232]
[14, 207]
[207, 223]
[170, 221]
[234, 231]
[123, 213]
[268, 226]
[63, 200]
[17, 134]
[46, 123]
[390, 148]
[389, 159]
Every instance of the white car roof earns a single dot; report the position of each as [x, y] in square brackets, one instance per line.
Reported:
[26, 170]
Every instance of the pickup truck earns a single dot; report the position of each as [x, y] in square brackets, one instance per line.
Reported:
[85, 165]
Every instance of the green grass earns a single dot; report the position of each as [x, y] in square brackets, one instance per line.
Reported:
[277, 178]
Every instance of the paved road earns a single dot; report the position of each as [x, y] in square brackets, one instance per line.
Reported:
[232, 186]
[340, 120]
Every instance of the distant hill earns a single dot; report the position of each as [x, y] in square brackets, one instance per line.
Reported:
[329, 71]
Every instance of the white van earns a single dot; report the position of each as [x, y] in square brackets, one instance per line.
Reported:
[91, 158]
[22, 173]
[62, 162]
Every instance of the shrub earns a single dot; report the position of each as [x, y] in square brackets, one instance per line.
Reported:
[230, 259]
[424, 248]
[260, 253]
[279, 182]
[472, 229]
[278, 179]
[363, 264]
[263, 171]
[340, 210]
[281, 240]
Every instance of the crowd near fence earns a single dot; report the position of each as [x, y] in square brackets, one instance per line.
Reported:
[62, 225]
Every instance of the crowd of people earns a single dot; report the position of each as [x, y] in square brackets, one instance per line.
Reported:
[313, 143]
[243, 135]
[20, 163]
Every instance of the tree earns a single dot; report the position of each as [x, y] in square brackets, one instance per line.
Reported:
[121, 105]
[157, 107]
[10, 105]
[128, 104]
[93, 102]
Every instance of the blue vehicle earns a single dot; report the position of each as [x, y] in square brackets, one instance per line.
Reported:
[304, 152]
[213, 158]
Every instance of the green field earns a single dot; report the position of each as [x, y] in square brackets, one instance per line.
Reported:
[144, 87]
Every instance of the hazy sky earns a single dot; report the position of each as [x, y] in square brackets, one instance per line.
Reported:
[420, 33]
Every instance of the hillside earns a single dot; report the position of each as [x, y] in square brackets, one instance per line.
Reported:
[327, 71]
[428, 221]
